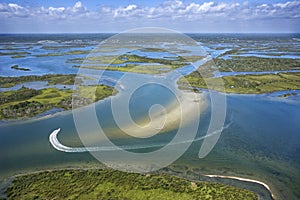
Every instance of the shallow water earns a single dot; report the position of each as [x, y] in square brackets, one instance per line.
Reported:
[221, 74]
[38, 85]
[262, 137]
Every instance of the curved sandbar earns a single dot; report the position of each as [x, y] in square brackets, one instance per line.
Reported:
[243, 179]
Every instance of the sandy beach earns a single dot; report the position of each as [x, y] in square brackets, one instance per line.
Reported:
[243, 179]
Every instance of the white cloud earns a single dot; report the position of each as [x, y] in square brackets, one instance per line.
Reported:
[205, 7]
[77, 8]
[168, 9]
[288, 4]
[14, 6]
[126, 11]
[14, 10]
[174, 11]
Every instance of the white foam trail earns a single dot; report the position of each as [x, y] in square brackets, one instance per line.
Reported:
[60, 147]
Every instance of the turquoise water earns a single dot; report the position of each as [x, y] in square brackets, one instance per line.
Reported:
[261, 139]
[261, 142]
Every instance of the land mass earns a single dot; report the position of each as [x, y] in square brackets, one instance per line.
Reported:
[27, 103]
[249, 63]
[245, 84]
[17, 54]
[16, 67]
[66, 79]
[111, 184]
[134, 63]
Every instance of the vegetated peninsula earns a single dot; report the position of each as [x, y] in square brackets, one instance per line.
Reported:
[111, 184]
[245, 84]
[18, 54]
[27, 102]
[135, 63]
[251, 63]
[67, 79]
[272, 79]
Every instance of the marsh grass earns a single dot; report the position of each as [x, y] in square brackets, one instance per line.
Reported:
[110, 184]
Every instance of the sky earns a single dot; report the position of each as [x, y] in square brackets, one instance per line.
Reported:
[188, 16]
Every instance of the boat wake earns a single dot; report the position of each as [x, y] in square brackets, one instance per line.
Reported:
[60, 147]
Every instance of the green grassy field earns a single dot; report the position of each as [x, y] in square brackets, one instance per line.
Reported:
[15, 54]
[26, 103]
[132, 63]
[75, 52]
[241, 63]
[245, 84]
[66, 79]
[109, 184]
[143, 69]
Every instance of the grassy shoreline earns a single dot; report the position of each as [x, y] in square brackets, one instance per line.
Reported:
[53, 79]
[245, 84]
[256, 64]
[105, 183]
[27, 103]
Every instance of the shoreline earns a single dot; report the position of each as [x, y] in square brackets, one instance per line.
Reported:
[4, 122]
[9, 180]
[63, 112]
[243, 179]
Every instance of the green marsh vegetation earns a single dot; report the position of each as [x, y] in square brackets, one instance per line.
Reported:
[12, 47]
[68, 79]
[27, 103]
[75, 52]
[15, 54]
[269, 51]
[152, 50]
[110, 184]
[288, 95]
[173, 49]
[126, 58]
[144, 69]
[249, 83]
[56, 47]
[246, 84]
[16, 67]
[245, 64]
[131, 63]
[18, 56]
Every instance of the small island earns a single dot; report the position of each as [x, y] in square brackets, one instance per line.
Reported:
[75, 52]
[135, 63]
[287, 95]
[15, 54]
[16, 67]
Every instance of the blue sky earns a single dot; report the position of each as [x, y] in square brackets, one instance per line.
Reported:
[58, 16]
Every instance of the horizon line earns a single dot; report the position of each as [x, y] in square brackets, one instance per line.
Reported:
[149, 33]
